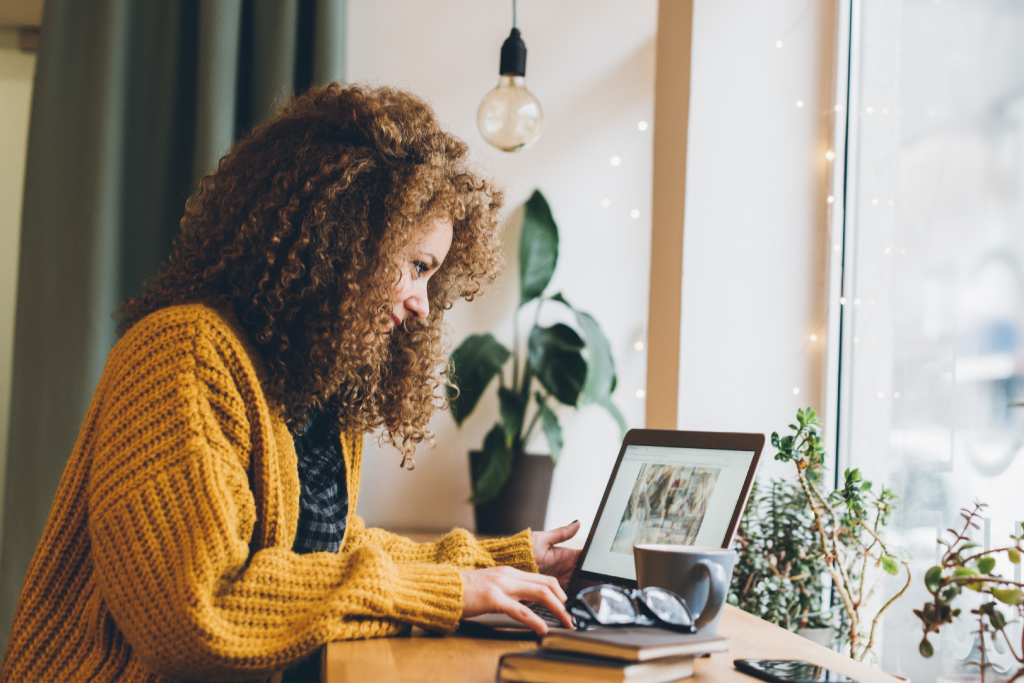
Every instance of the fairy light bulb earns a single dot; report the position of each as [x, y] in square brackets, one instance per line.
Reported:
[510, 117]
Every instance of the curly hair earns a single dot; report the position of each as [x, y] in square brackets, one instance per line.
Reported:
[297, 234]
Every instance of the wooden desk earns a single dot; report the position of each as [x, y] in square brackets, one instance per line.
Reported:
[457, 659]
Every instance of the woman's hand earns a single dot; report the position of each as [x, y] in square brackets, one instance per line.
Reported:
[554, 561]
[504, 589]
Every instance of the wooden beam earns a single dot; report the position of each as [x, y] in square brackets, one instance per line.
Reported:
[671, 129]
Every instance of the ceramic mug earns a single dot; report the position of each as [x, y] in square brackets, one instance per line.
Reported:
[700, 575]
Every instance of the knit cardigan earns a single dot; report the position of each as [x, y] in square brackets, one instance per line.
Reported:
[168, 550]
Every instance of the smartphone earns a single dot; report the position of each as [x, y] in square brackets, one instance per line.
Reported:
[789, 671]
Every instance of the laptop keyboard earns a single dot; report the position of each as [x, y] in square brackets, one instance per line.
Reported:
[546, 615]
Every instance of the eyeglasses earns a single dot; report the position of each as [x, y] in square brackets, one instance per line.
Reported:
[608, 605]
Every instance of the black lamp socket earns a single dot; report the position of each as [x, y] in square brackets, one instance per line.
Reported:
[513, 55]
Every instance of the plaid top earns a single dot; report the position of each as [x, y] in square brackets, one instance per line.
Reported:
[323, 502]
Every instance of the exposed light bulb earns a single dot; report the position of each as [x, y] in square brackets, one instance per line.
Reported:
[510, 117]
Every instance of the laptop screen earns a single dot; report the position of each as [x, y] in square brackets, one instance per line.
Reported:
[661, 494]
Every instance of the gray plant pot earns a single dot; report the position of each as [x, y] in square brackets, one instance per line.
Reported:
[522, 502]
[823, 636]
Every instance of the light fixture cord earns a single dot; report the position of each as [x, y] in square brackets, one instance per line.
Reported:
[515, 13]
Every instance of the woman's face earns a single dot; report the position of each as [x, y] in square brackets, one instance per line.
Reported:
[419, 260]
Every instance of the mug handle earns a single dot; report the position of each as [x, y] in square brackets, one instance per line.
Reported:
[716, 592]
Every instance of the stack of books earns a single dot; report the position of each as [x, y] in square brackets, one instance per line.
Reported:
[612, 655]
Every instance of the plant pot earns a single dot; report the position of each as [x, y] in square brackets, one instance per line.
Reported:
[823, 635]
[522, 502]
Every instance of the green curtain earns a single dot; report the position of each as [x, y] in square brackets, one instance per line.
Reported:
[134, 101]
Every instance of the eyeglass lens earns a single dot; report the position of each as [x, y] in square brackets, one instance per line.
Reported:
[610, 605]
[668, 607]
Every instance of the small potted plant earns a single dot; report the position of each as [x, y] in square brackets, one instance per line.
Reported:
[778, 574]
[567, 364]
[964, 570]
[845, 538]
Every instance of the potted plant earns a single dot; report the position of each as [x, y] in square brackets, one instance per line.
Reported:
[845, 541]
[778, 576]
[568, 364]
[964, 567]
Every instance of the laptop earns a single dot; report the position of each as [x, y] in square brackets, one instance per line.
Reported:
[673, 487]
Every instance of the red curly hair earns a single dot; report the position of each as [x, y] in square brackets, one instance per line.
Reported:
[298, 234]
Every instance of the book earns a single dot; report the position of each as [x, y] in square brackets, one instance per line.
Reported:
[547, 666]
[635, 644]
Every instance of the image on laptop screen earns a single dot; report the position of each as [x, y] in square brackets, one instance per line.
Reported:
[679, 496]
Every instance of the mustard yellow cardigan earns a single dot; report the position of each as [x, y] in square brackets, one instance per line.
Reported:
[167, 553]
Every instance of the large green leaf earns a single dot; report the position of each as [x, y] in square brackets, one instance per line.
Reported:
[554, 356]
[495, 468]
[474, 364]
[600, 364]
[538, 248]
[601, 378]
[552, 428]
[512, 408]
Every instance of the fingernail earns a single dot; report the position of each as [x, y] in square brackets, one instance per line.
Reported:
[573, 522]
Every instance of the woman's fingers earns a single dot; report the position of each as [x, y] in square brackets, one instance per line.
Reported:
[545, 552]
[564, 533]
[523, 614]
[556, 606]
[543, 540]
[504, 589]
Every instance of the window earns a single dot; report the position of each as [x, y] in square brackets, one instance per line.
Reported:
[931, 366]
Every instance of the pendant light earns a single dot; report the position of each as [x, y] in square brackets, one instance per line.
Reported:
[510, 117]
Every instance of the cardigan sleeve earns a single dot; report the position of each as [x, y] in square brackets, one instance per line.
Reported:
[172, 512]
[458, 548]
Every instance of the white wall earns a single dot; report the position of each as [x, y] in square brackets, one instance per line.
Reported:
[755, 237]
[591, 64]
[16, 71]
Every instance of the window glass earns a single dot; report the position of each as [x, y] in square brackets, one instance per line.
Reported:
[933, 326]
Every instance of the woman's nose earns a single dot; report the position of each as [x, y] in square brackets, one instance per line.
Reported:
[418, 304]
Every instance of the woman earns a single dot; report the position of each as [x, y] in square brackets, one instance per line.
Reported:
[204, 526]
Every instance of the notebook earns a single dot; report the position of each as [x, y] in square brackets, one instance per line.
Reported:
[674, 487]
[542, 666]
[635, 644]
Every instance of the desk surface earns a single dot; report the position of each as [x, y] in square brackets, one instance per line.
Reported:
[457, 659]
